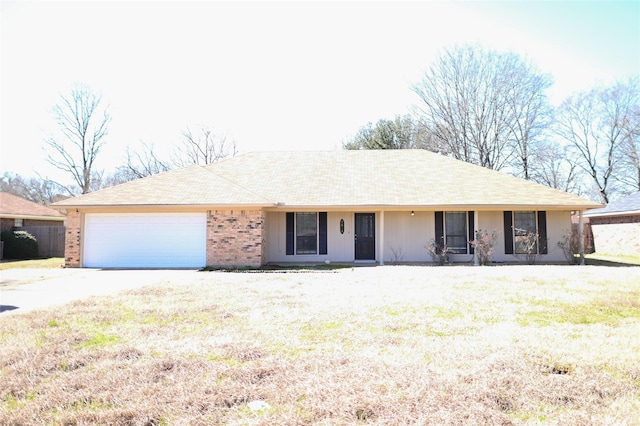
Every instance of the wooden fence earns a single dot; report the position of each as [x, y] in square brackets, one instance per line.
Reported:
[50, 239]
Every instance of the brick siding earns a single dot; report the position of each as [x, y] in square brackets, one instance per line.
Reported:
[6, 224]
[72, 240]
[40, 222]
[610, 220]
[235, 238]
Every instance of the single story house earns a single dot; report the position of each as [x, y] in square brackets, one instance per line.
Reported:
[302, 207]
[17, 212]
[616, 227]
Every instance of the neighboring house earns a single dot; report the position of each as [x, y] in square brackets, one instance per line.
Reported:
[616, 228]
[17, 212]
[299, 207]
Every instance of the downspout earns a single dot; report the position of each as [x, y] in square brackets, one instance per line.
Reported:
[476, 225]
[381, 238]
[581, 236]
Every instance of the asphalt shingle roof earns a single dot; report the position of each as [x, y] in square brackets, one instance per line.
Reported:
[628, 204]
[403, 178]
[14, 206]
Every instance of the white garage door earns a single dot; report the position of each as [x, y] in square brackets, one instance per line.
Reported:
[142, 240]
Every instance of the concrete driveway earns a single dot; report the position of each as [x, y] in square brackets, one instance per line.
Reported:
[22, 290]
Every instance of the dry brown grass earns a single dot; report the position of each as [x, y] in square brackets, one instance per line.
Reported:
[391, 345]
[52, 262]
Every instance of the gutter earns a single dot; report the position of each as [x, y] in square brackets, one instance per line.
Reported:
[32, 217]
[620, 213]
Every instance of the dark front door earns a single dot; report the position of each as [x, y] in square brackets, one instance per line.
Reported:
[365, 236]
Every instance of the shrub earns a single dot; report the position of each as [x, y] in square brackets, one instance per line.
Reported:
[484, 245]
[527, 247]
[439, 252]
[570, 245]
[19, 245]
[397, 254]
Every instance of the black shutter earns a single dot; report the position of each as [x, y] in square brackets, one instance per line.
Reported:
[322, 225]
[472, 231]
[290, 233]
[439, 228]
[542, 232]
[508, 232]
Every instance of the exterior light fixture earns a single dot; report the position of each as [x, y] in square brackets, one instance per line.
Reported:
[342, 226]
[413, 213]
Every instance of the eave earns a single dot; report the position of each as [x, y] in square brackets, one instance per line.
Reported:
[32, 217]
[609, 214]
[432, 207]
[157, 207]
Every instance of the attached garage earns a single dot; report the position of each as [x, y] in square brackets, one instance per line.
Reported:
[144, 240]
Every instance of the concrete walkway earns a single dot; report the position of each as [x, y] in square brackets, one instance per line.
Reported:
[23, 290]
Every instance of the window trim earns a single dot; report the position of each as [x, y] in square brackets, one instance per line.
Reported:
[469, 229]
[465, 233]
[291, 234]
[540, 217]
[516, 234]
[297, 237]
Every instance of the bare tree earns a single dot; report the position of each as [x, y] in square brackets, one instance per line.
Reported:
[629, 175]
[531, 113]
[37, 189]
[630, 159]
[555, 166]
[83, 124]
[593, 123]
[203, 147]
[475, 102]
[142, 162]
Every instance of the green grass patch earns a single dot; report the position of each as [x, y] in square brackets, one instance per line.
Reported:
[628, 259]
[610, 311]
[319, 331]
[100, 340]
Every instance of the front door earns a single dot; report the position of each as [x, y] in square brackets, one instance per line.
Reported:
[365, 236]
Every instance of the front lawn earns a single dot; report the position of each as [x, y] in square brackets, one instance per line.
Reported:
[383, 345]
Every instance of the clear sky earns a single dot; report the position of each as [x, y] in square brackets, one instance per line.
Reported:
[275, 76]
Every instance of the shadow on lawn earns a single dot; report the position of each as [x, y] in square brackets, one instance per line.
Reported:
[283, 268]
[602, 262]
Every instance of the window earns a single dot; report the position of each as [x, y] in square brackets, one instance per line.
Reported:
[524, 227]
[456, 231]
[18, 223]
[518, 228]
[306, 233]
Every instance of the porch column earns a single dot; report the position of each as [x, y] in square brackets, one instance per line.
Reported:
[476, 224]
[581, 236]
[381, 239]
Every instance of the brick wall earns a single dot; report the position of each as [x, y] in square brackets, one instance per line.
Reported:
[72, 240]
[39, 222]
[617, 238]
[6, 224]
[610, 220]
[235, 238]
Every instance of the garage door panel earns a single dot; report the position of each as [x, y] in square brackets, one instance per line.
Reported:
[159, 240]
